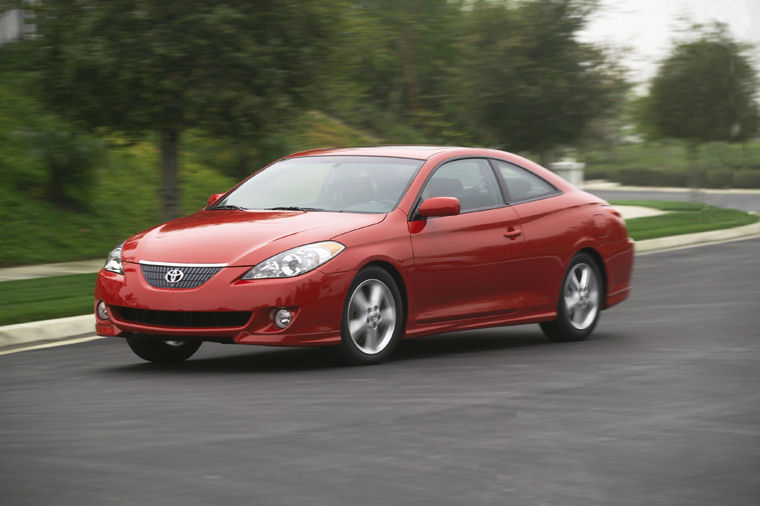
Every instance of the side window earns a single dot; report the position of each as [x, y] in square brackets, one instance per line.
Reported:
[470, 180]
[522, 184]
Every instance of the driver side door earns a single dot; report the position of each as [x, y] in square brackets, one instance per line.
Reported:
[465, 264]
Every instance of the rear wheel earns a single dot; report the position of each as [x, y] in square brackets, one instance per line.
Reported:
[162, 351]
[579, 303]
[372, 318]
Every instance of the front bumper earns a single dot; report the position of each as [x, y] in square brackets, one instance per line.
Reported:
[316, 300]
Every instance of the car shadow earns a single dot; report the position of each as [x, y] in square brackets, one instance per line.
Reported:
[274, 360]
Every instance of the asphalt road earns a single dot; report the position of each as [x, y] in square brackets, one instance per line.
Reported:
[743, 201]
[660, 406]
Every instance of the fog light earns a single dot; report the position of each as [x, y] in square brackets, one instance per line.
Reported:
[102, 310]
[282, 318]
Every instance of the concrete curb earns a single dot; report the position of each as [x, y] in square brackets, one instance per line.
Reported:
[62, 329]
[59, 329]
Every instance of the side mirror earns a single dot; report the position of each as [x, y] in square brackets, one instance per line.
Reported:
[214, 197]
[438, 206]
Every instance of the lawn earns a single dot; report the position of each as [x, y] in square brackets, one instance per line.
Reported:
[682, 218]
[46, 298]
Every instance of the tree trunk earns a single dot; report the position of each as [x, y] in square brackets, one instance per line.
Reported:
[169, 174]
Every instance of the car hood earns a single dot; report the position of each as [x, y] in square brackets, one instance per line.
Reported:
[238, 237]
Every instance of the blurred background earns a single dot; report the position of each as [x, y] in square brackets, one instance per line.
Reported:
[116, 115]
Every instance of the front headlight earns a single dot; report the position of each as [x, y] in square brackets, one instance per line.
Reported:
[113, 261]
[296, 261]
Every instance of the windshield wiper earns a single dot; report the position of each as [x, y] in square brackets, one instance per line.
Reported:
[228, 206]
[293, 208]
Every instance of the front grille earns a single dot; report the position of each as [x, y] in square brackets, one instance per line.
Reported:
[183, 319]
[192, 277]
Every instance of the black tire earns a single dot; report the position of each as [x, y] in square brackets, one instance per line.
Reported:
[371, 328]
[162, 351]
[575, 322]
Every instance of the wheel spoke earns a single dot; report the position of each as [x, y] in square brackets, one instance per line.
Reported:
[585, 274]
[359, 300]
[574, 284]
[579, 315]
[355, 326]
[370, 339]
[375, 295]
[571, 302]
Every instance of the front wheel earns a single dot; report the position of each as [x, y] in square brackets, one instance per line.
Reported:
[372, 318]
[579, 303]
[162, 351]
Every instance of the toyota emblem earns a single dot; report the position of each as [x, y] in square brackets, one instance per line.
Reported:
[174, 276]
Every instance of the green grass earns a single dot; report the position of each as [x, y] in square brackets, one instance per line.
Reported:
[46, 298]
[682, 218]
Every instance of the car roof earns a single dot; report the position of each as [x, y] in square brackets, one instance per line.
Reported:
[411, 151]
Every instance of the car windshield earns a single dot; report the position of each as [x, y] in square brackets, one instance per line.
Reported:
[362, 184]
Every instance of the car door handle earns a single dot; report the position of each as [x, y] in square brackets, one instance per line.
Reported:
[513, 232]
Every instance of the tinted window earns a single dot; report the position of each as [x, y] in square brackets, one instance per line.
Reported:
[371, 184]
[470, 180]
[522, 184]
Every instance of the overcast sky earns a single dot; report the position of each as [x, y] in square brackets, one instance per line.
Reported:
[647, 27]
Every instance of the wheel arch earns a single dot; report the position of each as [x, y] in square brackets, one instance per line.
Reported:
[398, 278]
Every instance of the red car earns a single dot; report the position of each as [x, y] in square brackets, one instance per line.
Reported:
[363, 247]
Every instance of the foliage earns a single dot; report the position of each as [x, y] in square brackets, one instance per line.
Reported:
[526, 81]
[228, 67]
[724, 165]
[395, 64]
[42, 156]
[704, 91]
[311, 129]
[69, 159]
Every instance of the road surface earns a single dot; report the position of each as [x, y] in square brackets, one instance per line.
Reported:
[660, 406]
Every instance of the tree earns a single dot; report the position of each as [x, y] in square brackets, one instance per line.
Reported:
[527, 82]
[397, 56]
[230, 67]
[704, 91]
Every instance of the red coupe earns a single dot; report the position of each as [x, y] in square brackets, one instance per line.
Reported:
[363, 247]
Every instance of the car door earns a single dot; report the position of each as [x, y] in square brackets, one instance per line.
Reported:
[547, 231]
[464, 264]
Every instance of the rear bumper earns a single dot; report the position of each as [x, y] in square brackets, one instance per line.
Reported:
[619, 267]
[315, 299]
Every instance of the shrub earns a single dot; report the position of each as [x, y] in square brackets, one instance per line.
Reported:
[747, 178]
[719, 178]
[68, 160]
[640, 176]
